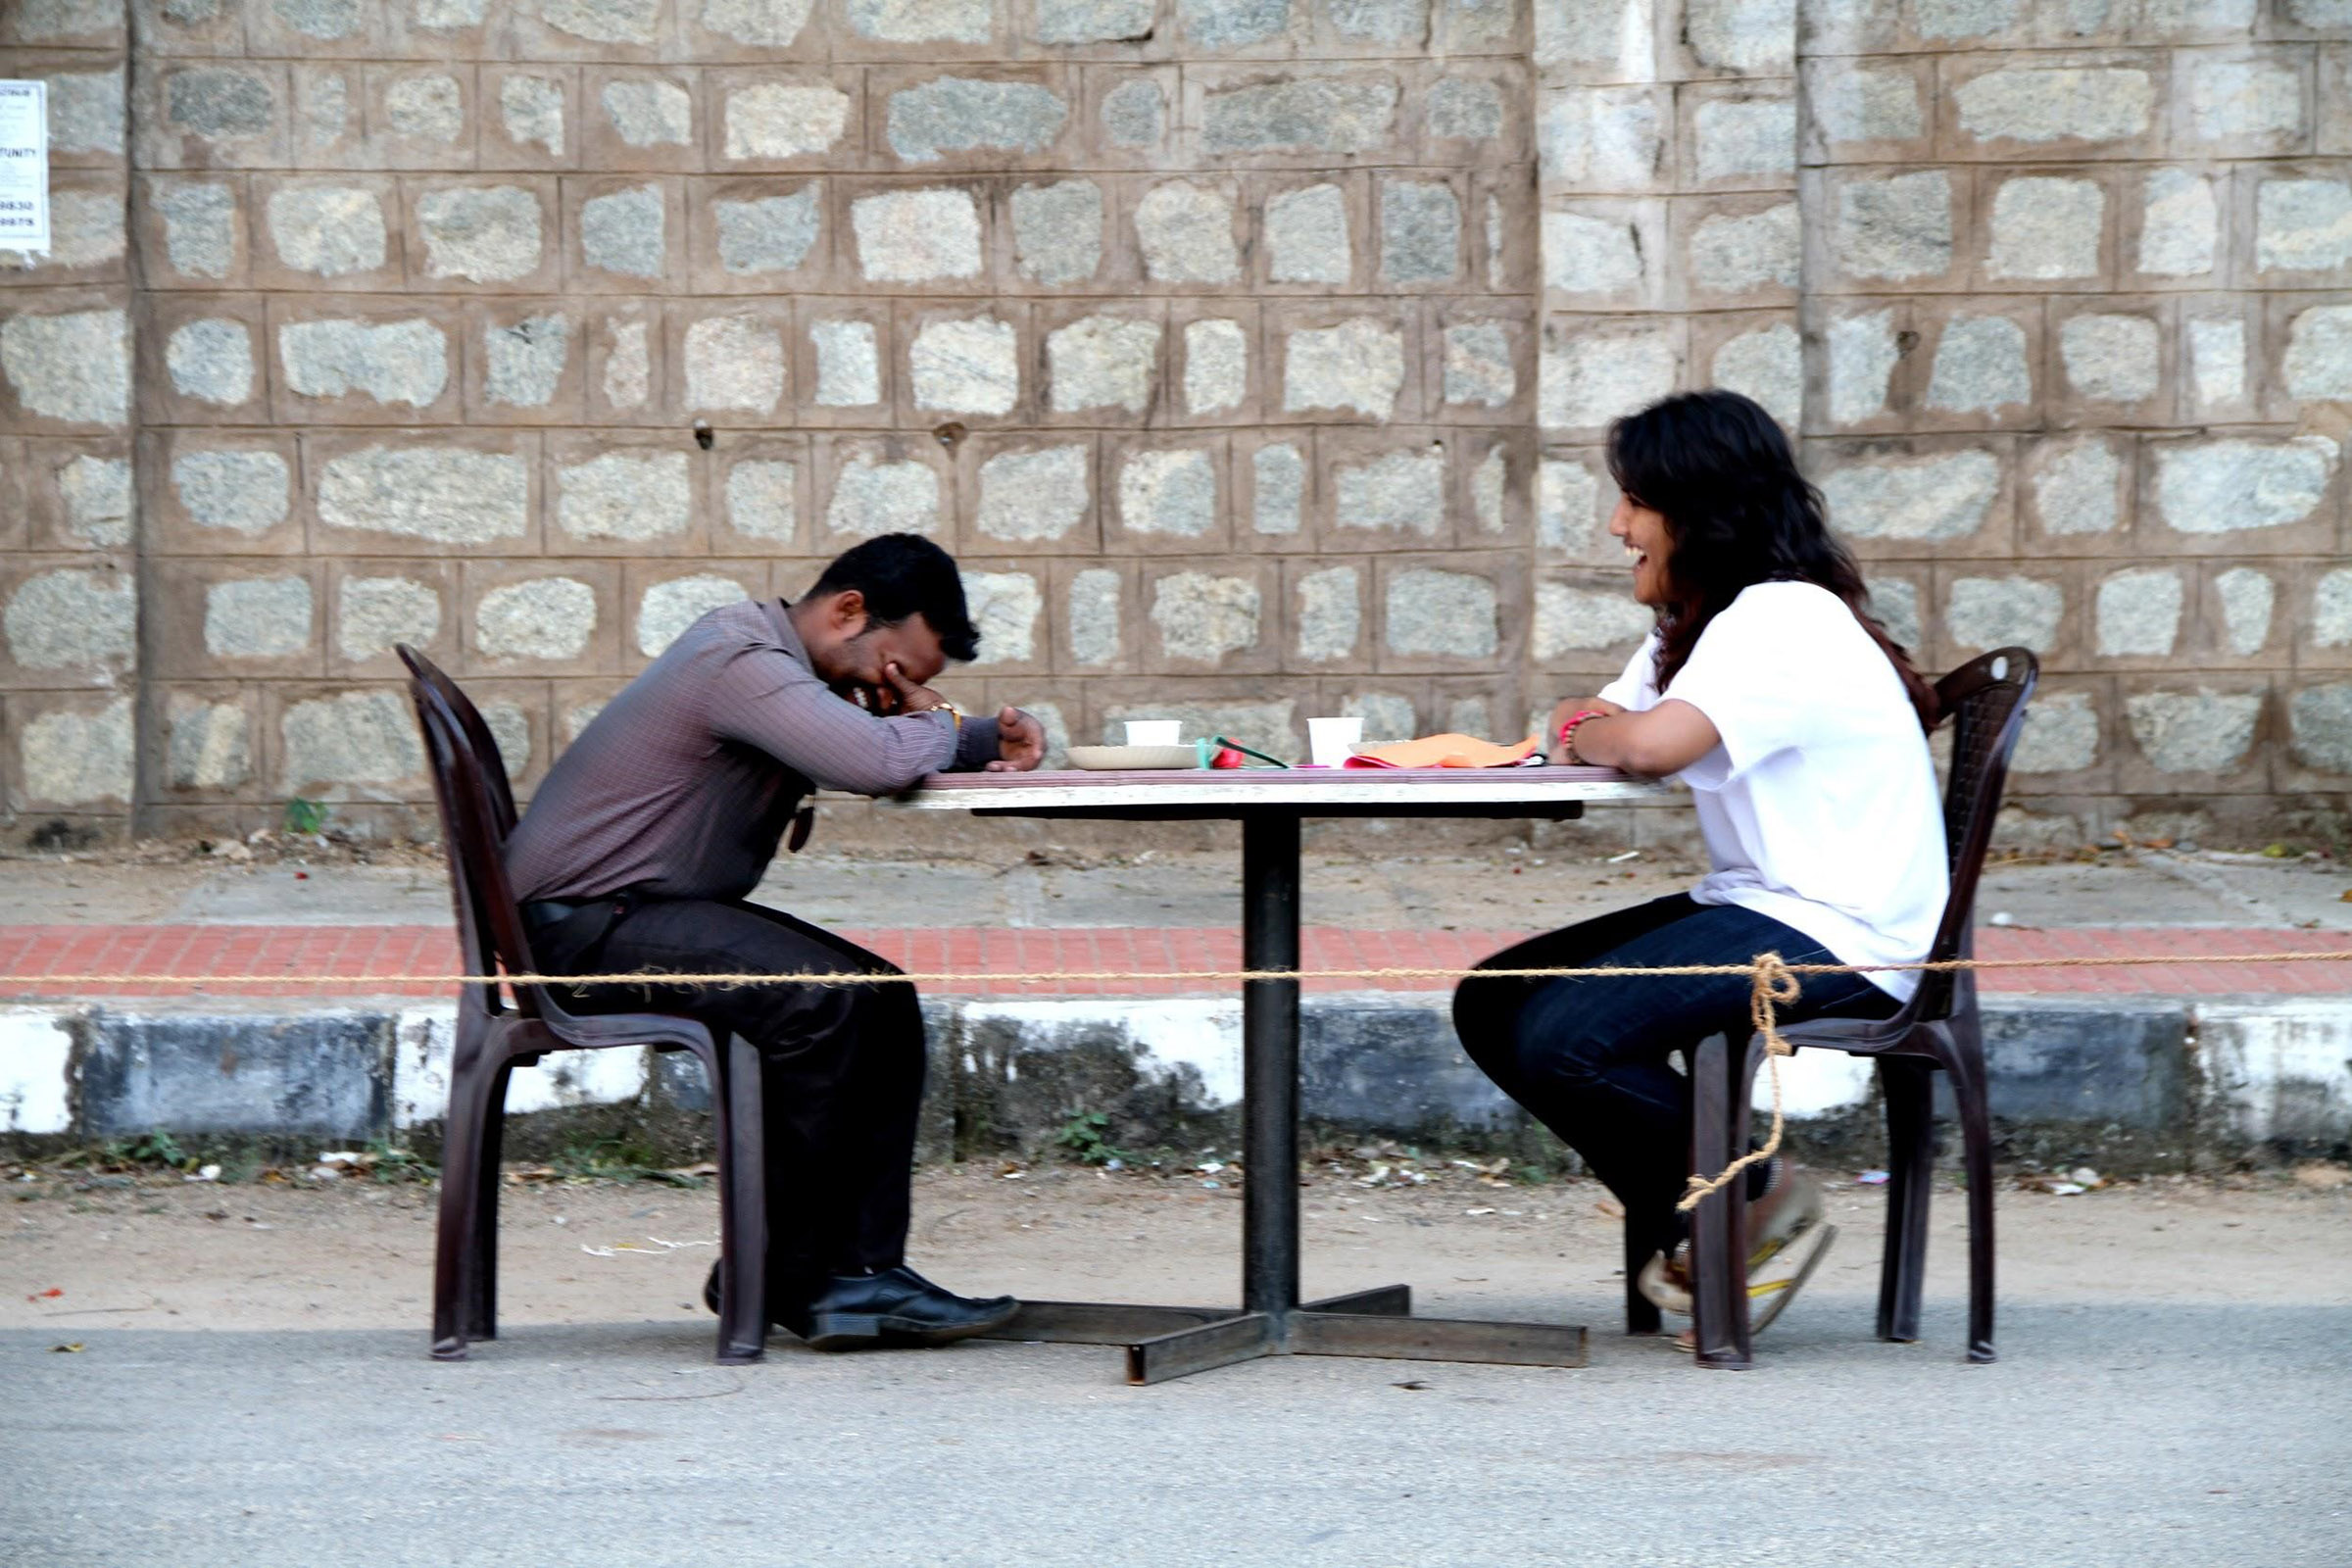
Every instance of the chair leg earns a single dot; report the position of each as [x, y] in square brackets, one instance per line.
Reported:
[481, 1279]
[1975, 1144]
[1909, 1089]
[1719, 1224]
[735, 1109]
[454, 1239]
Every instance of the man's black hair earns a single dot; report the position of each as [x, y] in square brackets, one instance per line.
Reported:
[903, 574]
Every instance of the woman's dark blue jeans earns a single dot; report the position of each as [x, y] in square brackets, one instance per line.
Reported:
[1588, 1057]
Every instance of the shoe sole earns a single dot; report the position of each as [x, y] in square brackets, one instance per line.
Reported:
[869, 1331]
[1778, 1294]
[1667, 1297]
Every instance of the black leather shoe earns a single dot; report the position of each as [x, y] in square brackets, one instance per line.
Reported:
[894, 1307]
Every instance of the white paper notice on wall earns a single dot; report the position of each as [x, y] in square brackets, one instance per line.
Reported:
[24, 166]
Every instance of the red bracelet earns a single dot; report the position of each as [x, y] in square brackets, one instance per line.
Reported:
[1568, 733]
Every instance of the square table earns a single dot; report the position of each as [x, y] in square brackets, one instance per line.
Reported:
[1169, 1342]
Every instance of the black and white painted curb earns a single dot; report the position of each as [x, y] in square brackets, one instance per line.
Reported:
[2153, 1082]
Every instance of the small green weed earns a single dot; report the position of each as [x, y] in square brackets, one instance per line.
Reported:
[305, 816]
[1085, 1137]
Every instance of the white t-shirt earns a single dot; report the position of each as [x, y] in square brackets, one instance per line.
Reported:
[1820, 806]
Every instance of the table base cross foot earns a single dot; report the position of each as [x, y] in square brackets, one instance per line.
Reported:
[1174, 1342]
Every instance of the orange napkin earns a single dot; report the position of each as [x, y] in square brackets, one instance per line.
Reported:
[1443, 751]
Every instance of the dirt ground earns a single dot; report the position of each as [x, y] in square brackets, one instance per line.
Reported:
[167, 1254]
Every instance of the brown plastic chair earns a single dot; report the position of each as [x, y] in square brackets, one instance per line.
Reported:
[478, 813]
[1937, 1028]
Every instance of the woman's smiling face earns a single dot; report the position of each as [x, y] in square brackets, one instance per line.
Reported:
[1647, 541]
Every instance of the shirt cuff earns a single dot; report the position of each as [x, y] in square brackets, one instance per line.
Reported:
[975, 745]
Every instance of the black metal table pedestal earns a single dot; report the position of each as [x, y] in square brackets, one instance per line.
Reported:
[1170, 1341]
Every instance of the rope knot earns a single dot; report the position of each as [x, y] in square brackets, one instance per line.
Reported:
[1775, 987]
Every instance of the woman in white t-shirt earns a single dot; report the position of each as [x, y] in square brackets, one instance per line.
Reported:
[1800, 729]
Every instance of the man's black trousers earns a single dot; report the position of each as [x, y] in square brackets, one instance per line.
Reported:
[842, 1067]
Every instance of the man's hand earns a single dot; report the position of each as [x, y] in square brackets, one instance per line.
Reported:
[902, 696]
[1020, 741]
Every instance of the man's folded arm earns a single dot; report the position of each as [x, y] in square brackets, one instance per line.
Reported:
[768, 700]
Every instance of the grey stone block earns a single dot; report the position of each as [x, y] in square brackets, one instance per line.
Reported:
[245, 491]
[541, 618]
[1005, 608]
[1420, 231]
[1029, 496]
[1351, 114]
[2319, 723]
[2061, 735]
[524, 361]
[357, 738]
[211, 359]
[329, 230]
[1944, 497]
[446, 495]
[222, 103]
[211, 747]
[1058, 231]
[1093, 21]
[1170, 492]
[2139, 613]
[761, 501]
[649, 113]
[97, 497]
[1202, 618]
[2001, 611]
[315, 1074]
[258, 617]
[620, 22]
[1979, 367]
[73, 366]
[2234, 483]
[1579, 620]
[633, 496]
[391, 362]
[200, 228]
[2200, 731]
[731, 363]
[1234, 23]
[1279, 472]
[378, 612]
[1449, 614]
[624, 232]
[76, 756]
[963, 115]
[761, 24]
[1134, 114]
[480, 235]
[1094, 616]
[73, 620]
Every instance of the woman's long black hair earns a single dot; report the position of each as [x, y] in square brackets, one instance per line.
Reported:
[1719, 469]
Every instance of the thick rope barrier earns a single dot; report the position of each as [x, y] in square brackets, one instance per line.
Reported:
[1774, 985]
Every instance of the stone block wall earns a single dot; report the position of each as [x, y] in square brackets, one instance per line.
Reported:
[1253, 355]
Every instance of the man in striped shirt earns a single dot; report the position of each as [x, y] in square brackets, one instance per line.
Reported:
[642, 845]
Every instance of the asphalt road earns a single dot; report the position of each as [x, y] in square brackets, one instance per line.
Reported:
[2133, 1435]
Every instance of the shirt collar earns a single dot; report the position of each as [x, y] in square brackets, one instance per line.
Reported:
[779, 617]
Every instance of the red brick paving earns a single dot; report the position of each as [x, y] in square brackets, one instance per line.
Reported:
[344, 958]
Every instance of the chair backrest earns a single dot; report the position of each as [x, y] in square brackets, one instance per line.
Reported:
[477, 813]
[478, 734]
[1984, 701]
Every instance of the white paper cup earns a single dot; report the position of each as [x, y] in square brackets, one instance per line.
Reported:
[1155, 732]
[1328, 740]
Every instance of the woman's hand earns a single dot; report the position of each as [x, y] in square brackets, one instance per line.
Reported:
[1569, 707]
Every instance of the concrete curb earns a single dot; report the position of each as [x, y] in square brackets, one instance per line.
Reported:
[2121, 1083]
